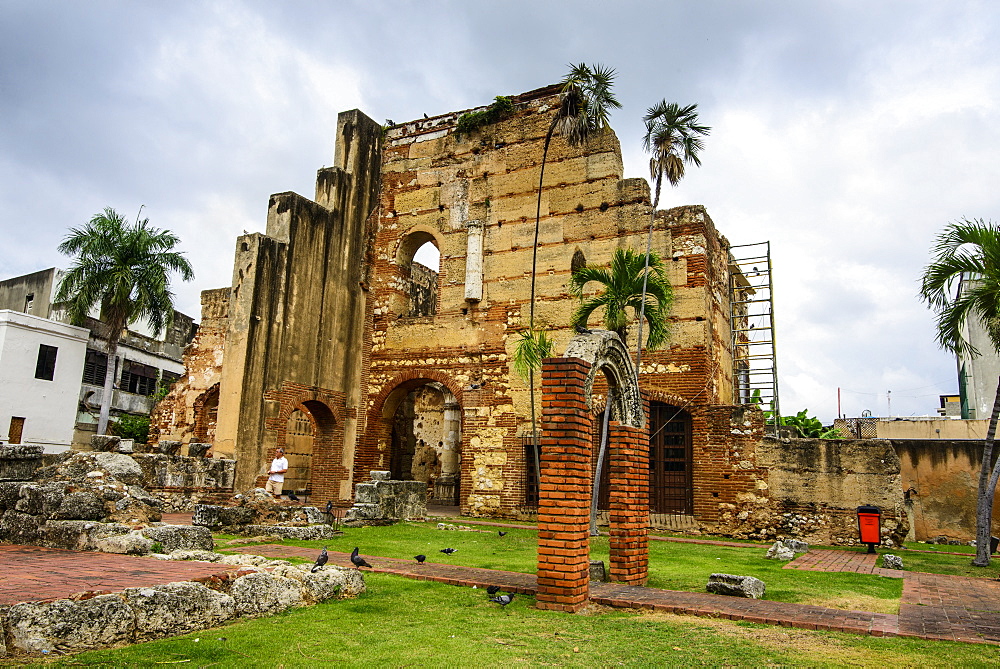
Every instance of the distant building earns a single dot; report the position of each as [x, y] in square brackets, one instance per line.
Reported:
[41, 362]
[142, 363]
[977, 376]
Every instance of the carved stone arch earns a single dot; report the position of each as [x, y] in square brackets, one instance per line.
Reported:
[606, 353]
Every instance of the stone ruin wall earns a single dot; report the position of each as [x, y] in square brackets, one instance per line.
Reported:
[187, 413]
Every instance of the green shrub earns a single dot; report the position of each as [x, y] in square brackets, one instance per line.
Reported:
[502, 107]
[129, 426]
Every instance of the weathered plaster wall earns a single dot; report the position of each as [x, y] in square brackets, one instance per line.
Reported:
[940, 480]
[297, 313]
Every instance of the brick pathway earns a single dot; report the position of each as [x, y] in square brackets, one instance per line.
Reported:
[32, 573]
[932, 606]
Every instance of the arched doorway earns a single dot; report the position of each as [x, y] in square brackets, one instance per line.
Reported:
[670, 486]
[206, 414]
[425, 442]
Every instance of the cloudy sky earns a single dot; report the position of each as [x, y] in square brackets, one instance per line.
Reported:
[845, 133]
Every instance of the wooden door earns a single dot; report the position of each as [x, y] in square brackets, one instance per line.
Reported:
[670, 489]
[298, 451]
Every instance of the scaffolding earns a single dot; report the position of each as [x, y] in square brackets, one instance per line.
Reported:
[755, 365]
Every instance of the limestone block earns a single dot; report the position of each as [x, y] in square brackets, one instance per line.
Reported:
[126, 446]
[310, 533]
[177, 608]
[19, 528]
[10, 491]
[198, 450]
[168, 447]
[82, 505]
[132, 543]
[122, 467]
[736, 586]
[890, 561]
[329, 582]
[77, 535]
[70, 626]
[262, 594]
[381, 475]
[104, 443]
[597, 571]
[779, 551]
[174, 537]
[200, 555]
[19, 462]
[40, 499]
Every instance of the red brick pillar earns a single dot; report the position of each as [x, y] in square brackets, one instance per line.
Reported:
[628, 457]
[564, 497]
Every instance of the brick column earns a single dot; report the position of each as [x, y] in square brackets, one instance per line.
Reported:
[628, 457]
[564, 498]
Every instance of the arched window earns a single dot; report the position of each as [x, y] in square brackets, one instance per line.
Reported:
[419, 261]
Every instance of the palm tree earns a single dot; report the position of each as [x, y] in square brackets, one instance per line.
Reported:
[630, 283]
[631, 279]
[969, 251]
[124, 269]
[585, 101]
[673, 137]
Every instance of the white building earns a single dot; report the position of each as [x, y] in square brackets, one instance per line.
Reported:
[142, 363]
[977, 376]
[41, 363]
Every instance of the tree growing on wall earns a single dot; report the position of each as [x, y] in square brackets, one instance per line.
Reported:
[969, 251]
[673, 139]
[124, 269]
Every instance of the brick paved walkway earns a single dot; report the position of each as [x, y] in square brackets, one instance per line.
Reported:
[32, 573]
[932, 606]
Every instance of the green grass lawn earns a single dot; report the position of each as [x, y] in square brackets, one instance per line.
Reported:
[401, 622]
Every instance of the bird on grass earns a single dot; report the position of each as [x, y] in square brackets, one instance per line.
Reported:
[357, 560]
[502, 533]
[321, 560]
[503, 600]
[420, 558]
[492, 589]
[448, 551]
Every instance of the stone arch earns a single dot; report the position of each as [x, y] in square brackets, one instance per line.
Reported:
[206, 410]
[606, 354]
[375, 452]
[309, 433]
[420, 285]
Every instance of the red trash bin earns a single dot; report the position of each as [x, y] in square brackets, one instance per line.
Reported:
[869, 526]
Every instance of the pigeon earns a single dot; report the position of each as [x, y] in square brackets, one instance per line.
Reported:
[329, 506]
[292, 497]
[492, 589]
[357, 560]
[503, 600]
[420, 558]
[448, 551]
[321, 560]
[580, 329]
[502, 533]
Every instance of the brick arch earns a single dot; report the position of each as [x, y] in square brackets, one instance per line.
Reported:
[412, 239]
[382, 408]
[202, 408]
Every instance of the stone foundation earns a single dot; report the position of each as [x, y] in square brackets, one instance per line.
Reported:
[383, 501]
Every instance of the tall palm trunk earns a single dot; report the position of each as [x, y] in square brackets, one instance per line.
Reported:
[988, 475]
[531, 306]
[109, 380]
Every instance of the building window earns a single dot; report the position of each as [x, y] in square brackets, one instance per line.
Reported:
[95, 368]
[167, 379]
[45, 367]
[29, 302]
[139, 379]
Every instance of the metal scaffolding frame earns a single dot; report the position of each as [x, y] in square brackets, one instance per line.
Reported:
[755, 364]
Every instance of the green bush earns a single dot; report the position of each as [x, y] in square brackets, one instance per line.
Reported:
[501, 108]
[129, 426]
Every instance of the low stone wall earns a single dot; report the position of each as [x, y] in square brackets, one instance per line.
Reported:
[384, 501]
[141, 614]
[810, 490]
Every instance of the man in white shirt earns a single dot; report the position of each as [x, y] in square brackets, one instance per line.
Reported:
[276, 475]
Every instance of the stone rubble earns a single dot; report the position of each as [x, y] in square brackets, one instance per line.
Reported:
[736, 586]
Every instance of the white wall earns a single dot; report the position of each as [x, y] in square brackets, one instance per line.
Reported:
[48, 407]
